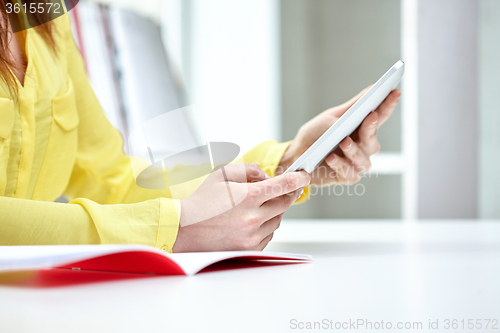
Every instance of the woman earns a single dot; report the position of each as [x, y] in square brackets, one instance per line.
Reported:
[55, 140]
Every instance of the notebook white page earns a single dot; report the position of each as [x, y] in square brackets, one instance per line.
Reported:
[15, 258]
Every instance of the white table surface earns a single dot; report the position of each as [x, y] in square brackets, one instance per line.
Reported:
[370, 270]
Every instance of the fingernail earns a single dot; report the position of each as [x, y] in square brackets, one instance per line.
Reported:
[307, 175]
[331, 158]
[301, 192]
[350, 145]
[375, 122]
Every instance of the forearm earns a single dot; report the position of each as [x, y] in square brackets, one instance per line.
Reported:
[29, 222]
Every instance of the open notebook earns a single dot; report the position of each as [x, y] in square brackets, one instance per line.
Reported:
[127, 259]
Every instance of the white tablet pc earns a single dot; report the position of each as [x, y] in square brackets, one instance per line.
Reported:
[349, 121]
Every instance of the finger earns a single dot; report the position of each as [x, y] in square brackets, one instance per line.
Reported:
[344, 171]
[270, 226]
[355, 154]
[279, 205]
[387, 107]
[280, 185]
[367, 134]
[241, 173]
[264, 243]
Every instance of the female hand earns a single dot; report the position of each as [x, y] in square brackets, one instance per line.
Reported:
[236, 208]
[347, 163]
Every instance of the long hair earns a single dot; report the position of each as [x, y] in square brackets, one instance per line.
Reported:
[41, 23]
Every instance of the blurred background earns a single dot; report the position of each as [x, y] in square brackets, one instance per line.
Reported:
[255, 70]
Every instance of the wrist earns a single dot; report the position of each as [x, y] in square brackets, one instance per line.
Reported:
[184, 218]
[178, 244]
[182, 242]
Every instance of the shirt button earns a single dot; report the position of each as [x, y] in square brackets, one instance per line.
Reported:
[165, 248]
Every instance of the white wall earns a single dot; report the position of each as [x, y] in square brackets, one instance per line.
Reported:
[489, 87]
[233, 61]
[448, 109]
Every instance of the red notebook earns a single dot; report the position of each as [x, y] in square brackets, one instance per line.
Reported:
[135, 259]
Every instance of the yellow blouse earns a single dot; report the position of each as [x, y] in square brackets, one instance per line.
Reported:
[55, 139]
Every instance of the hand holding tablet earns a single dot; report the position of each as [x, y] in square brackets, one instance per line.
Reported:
[349, 121]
